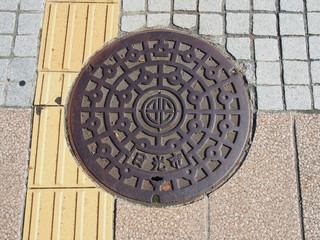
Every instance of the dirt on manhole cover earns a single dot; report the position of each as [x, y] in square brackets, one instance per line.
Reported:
[159, 117]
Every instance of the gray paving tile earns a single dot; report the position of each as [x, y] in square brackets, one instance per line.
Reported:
[316, 96]
[269, 5]
[5, 43]
[9, 5]
[159, 6]
[29, 23]
[185, 20]
[158, 20]
[23, 69]
[7, 22]
[2, 92]
[294, 48]
[15, 137]
[237, 5]
[308, 138]
[268, 73]
[315, 71]
[295, 72]
[3, 68]
[26, 46]
[314, 47]
[313, 23]
[291, 24]
[266, 49]
[20, 95]
[313, 5]
[260, 201]
[238, 23]
[190, 5]
[133, 6]
[265, 24]
[174, 223]
[210, 5]
[206, 26]
[289, 5]
[298, 97]
[239, 47]
[35, 5]
[132, 22]
[269, 98]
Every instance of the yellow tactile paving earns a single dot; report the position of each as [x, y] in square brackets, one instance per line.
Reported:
[51, 163]
[62, 203]
[68, 214]
[53, 88]
[72, 32]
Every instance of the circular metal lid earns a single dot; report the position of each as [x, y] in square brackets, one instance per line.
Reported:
[159, 117]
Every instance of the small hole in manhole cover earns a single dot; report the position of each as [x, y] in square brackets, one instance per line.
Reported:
[159, 117]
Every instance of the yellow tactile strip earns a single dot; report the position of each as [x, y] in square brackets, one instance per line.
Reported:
[51, 162]
[68, 214]
[72, 32]
[62, 203]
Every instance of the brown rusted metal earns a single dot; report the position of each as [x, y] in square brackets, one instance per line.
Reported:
[159, 117]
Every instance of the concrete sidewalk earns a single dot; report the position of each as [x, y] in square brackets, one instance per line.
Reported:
[274, 195]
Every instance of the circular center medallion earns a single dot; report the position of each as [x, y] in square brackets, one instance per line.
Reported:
[159, 117]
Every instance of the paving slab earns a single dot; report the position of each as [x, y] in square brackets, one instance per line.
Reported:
[175, 223]
[261, 201]
[15, 138]
[308, 138]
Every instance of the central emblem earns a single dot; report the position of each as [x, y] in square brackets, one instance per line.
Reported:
[159, 111]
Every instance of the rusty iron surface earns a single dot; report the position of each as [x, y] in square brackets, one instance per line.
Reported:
[159, 117]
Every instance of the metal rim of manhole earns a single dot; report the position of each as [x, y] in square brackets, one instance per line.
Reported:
[159, 117]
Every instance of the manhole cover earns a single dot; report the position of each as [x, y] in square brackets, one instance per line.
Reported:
[159, 117]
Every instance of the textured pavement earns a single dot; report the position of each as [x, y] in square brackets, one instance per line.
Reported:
[275, 194]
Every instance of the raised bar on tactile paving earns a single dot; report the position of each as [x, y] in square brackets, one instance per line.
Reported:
[159, 117]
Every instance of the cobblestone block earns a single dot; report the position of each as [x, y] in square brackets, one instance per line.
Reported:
[210, 5]
[314, 47]
[23, 69]
[185, 20]
[159, 5]
[9, 5]
[313, 5]
[295, 72]
[294, 48]
[5, 45]
[238, 23]
[265, 24]
[291, 5]
[268, 5]
[239, 47]
[7, 22]
[298, 97]
[3, 69]
[2, 92]
[315, 71]
[237, 5]
[314, 23]
[35, 5]
[211, 24]
[26, 46]
[269, 98]
[29, 23]
[158, 19]
[266, 49]
[133, 6]
[316, 96]
[268, 73]
[189, 5]
[132, 22]
[291, 24]
[19, 95]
